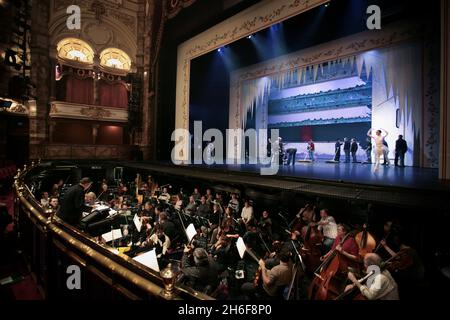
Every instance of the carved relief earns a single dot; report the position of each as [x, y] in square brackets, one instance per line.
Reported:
[175, 6]
[95, 112]
[98, 34]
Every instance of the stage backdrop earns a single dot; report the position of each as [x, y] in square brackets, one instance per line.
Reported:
[336, 90]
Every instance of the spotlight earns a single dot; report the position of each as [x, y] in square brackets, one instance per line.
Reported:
[219, 50]
[250, 36]
[327, 5]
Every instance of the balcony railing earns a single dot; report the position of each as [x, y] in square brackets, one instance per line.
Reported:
[66, 110]
[51, 246]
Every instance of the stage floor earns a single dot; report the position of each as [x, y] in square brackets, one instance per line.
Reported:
[407, 177]
[409, 186]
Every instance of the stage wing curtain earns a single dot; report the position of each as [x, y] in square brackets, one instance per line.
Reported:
[112, 94]
[79, 90]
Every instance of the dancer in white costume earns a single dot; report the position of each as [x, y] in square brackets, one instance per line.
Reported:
[378, 137]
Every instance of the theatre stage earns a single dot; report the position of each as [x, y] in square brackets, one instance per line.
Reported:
[409, 186]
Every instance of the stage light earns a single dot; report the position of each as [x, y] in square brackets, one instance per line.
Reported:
[250, 36]
[327, 5]
[219, 50]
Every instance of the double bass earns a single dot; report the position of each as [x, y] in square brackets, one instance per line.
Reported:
[326, 284]
[366, 242]
[311, 250]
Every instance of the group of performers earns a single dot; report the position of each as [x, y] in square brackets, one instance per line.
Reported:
[350, 148]
[308, 257]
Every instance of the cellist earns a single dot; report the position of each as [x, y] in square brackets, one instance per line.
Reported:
[348, 250]
[381, 287]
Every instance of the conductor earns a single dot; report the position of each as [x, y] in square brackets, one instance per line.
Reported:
[72, 204]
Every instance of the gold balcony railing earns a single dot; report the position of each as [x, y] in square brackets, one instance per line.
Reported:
[51, 246]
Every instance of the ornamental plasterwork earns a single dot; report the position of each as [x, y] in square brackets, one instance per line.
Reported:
[95, 112]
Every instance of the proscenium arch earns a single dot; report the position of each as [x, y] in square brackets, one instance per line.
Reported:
[249, 21]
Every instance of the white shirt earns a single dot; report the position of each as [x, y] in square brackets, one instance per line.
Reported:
[44, 202]
[247, 213]
[383, 287]
[155, 240]
[329, 230]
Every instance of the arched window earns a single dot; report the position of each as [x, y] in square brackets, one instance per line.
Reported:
[116, 59]
[75, 50]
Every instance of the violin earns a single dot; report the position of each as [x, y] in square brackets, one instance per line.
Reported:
[366, 242]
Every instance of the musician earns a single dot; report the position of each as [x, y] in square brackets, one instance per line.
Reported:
[122, 189]
[72, 204]
[104, 194]
[406, 267]
[191, 207]
[53, 204]
[276, 279]
[234, 203]
[196, 194]
[167, 226]
[149, 211]
[45, 199]
[349, 249]
[214, 221]
[265, 225]
[328, 227]
[219, 198]
[383, 286]
[201, 238]
[89, 198]
[165, 195]
[219, 251]
[210, 199]
[158, 240]
[247, 212]
[178, 202]
[204, 209]
[199, 270]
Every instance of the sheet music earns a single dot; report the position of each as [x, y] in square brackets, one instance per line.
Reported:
[148, 259]
[191, 232]
[137, 223]
[241, 247]
[115, 234]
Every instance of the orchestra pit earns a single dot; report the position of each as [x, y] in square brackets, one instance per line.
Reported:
[262, 151]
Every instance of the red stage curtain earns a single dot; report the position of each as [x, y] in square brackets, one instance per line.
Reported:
[79, 90]
[112, 94]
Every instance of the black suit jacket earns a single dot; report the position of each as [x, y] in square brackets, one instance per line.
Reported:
[72, 205]
[400, 146]
[347, 145]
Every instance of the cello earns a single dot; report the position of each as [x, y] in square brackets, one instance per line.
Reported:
[326, 285]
